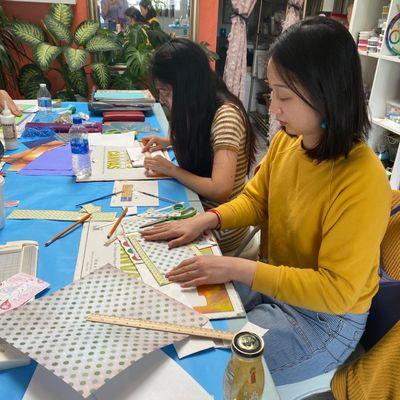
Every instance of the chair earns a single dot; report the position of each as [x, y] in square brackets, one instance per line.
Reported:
[384, 312]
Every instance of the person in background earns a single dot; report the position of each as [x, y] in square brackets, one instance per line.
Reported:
[148, 11]
[5, 97]
[210, 132]
[134, 16]
[322, 199]
[113, 12]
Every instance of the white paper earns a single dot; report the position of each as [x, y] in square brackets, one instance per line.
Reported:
[137, 157]
[155, 376]
[125, 139]
[131, 197]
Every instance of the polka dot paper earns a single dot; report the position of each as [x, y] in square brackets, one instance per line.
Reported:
[53, 329]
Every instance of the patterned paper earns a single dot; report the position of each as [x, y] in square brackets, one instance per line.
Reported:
[54, 331]
[158, 258]
[59, 215]
[19, 289]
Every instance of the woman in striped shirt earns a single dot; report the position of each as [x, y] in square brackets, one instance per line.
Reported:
[210, 131]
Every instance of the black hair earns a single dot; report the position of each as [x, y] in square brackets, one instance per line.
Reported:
[319, 55]
[198, 92]
[133, 12]
[151, 12]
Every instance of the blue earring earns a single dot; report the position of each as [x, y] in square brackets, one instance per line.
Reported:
[324, 125]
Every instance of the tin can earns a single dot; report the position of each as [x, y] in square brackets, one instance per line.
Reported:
[244, 375]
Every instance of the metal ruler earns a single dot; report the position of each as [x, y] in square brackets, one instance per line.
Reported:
[161, 326]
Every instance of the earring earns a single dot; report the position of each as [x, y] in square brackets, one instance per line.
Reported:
[324, 125]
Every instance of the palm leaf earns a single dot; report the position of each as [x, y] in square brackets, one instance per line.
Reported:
[28, 73]
[101, 75]
[85, 31]
[122, 82]
[76, 58]
[65, 95]
[26, 32]
[58, 29]
[44, 54]
[62, 13]
[137, 60]
[33, 87]
[78, 82]
[102, 43]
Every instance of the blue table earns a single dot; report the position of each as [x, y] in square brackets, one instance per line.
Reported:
[56, 263]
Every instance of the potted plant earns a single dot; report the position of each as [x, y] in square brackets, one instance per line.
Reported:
[57, 48]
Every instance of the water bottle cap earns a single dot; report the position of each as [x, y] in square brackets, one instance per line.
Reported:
[76, 120]
[42, 85]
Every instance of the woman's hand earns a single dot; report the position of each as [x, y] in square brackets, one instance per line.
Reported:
[153, 143]
[181, 232]
[4, 97]
[205, 270]
[159, 165]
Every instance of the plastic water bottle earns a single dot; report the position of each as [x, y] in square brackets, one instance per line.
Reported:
[44, 98]
[80, 149]
[7, 120]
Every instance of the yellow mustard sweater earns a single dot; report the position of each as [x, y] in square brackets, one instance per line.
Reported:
[321, 226]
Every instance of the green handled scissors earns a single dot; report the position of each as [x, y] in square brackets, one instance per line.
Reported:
[179, 211]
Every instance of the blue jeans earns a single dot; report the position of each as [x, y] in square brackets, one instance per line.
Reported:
[300, 343]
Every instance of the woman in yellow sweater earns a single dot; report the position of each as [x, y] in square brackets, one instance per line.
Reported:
[322, 199]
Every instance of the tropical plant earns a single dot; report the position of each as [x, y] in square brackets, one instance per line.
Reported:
[8, 48]
[57, 48]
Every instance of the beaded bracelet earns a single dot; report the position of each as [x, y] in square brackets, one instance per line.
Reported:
[215, 212]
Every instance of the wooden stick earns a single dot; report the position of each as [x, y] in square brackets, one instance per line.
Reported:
[66, 230]
[117, 222]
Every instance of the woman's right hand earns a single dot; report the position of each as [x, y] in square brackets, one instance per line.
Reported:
[153, 143]
[182, 231]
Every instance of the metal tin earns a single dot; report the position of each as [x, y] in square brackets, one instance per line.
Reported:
[247, 344]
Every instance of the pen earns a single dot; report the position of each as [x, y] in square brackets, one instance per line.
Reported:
[66, 230]
[157, 197]
[117, 222]
[99, 198]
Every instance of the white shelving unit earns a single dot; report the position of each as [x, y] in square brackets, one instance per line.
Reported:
[381, 72]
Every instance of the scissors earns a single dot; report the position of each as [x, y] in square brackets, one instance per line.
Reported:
[178, 211]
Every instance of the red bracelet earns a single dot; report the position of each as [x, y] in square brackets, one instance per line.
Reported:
[215, 212]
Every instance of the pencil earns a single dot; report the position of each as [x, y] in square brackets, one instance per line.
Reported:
[66, 230]
[157, 197]
[99, 198]
[117, 222]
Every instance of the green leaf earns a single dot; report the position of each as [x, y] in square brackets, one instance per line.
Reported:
[59, 30]
[122, 82]
[33, 87]
[101, 75]
[44, 54]
[210, 54]
[85, 31]
[27, 33]
[137, 34]
[76, 58]
[28, 73]
[78, 82]
[62, 13]
[100, 43]
[65, 95]
[137, 60]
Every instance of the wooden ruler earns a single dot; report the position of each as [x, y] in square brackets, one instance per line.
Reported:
[161, 326]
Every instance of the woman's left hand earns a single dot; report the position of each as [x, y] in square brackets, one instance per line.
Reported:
[158, 165]
[201, 270]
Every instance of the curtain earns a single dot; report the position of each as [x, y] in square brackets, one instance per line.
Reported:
[236, 59]
[294, 12]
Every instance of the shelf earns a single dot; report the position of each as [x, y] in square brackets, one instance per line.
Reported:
[387, 124]
[261, 122]
[395, 59]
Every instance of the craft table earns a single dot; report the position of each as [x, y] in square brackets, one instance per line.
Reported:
[56, 263]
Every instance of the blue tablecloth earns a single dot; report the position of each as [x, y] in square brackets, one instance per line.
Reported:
[57, 262]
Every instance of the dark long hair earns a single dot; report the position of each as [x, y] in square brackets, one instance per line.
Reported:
[151, 12]
[133, 12]
[319, 55]
[198, 92]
